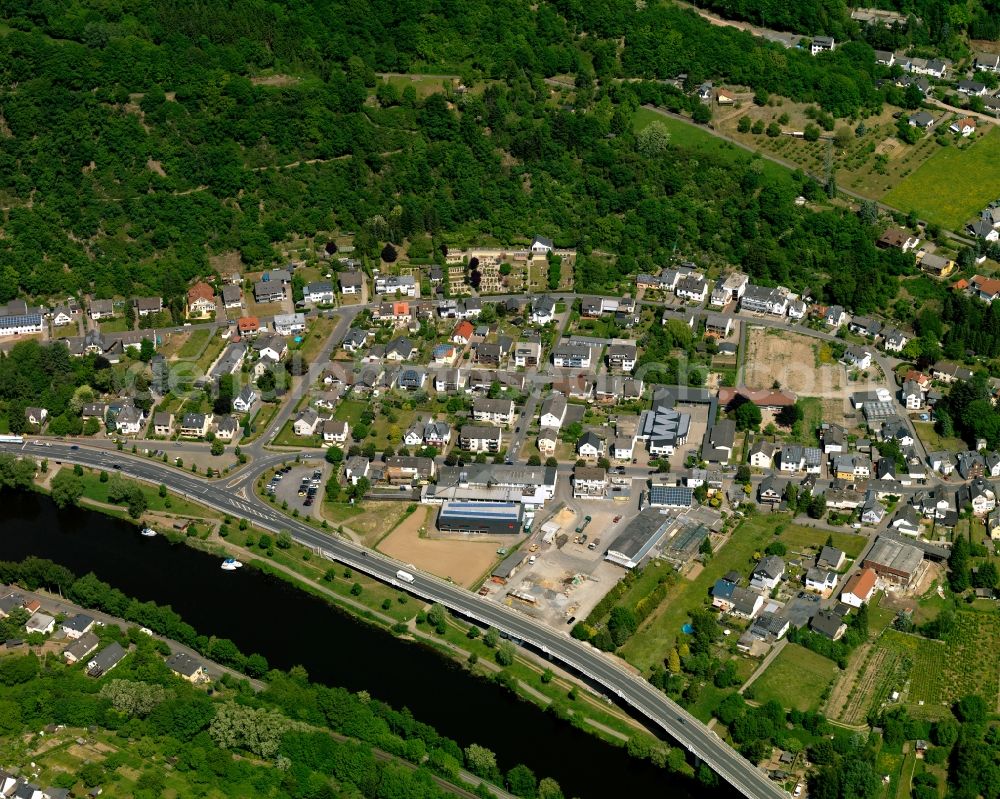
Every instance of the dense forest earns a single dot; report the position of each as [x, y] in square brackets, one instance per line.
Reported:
[140, 141]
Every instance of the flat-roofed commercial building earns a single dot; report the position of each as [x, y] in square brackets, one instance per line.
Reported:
[481, 517]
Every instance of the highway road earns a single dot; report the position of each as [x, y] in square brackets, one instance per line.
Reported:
[599, 667]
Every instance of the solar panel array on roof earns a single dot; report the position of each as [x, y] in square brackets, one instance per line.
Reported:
[670, 496]
[481, 517]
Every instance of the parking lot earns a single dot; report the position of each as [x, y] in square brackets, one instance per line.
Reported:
[300, 487]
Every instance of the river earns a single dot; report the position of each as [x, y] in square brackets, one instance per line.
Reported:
[263, 614]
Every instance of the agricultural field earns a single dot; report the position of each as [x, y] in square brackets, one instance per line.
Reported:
[954, 184]
[926, 658]
[870, 164]
[798, 678]
[872, 674]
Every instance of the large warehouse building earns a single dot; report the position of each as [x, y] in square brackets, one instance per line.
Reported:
[639, 538]
[481, 517]
[893, 560]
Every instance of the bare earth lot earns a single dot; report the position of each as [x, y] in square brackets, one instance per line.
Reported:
[790, 359]
[462, 560]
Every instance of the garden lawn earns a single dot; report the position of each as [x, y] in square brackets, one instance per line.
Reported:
[194, 344]
[797, 537]
[660, 631]
[933, 441]
[798, 679]
[690, 136]
[954, 184]
[350, 411]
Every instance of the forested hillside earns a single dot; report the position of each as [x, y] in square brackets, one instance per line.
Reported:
[139, 140]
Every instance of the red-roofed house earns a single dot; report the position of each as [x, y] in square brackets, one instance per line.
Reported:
[462, 333]
[859, 588]
[965, 126]
[960, 285]
[248, 325]
[987, 288]
[201, 299]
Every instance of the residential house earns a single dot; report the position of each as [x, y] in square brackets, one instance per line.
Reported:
[764, 300]
[195, 425]
[146, 306]
[721, 440]
[622, 355]
[274, 347]
[130, 421]
[200, 299]
[105, 660]
[821, 44]
[437, 434]
[336, 432]
[858, 357]
[548, 439]
[895, 429]
[623, 448]
[770, 491]
[835, 316]
[163, 423]
[767, 573]
[872, 511]
[306, 423]
[893, 340]
[572, 354]
[318, 293]
[797, 309]
[829, 625]
[356, 467]
[35, 416]
[76, 625]
[860, 588]
[355, 340]
[912, 396]
[831, 558]
[852, 466]
[18, 319]
[971, 464]
[553, 411]
[351, 282]
[450, 380]
[896, 238]
[187, 668]
[81, 647]
[907, 521]
[987, 62]
[746, 604]
[693, 287]
[950, 372]
[102, 309]
[543, 310]
[971, 88]
[965, 127]
[834, 438]
[396, 284]
[232, 296]
[444, 354]
[865, 326]
[226, 427]
[589, 482]
[61, 316]
[462, 334]
[497, 411]
[978, 494]
[289, 324]
[480, 438]
[411, 378]
[244, 401]
[820, 580]
[527, 353]
[590, 446]
[936, 265]
[248, 326]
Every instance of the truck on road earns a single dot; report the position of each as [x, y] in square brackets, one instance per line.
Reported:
[406, 577]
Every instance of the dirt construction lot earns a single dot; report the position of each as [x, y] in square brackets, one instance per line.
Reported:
[464, 561]
[791, 360]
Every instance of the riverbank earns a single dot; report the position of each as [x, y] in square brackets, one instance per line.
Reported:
[295, 630]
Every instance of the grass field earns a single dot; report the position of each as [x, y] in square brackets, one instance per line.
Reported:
[350, 411]
[953, 185]
[798, 678]
[94, 489]
[693, 137]
[194, 344]
[657, 635]
[930, 438]
[797, 537]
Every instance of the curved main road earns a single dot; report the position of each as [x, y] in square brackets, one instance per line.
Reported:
[637, 692]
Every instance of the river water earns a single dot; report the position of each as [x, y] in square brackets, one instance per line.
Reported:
[289, 627]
